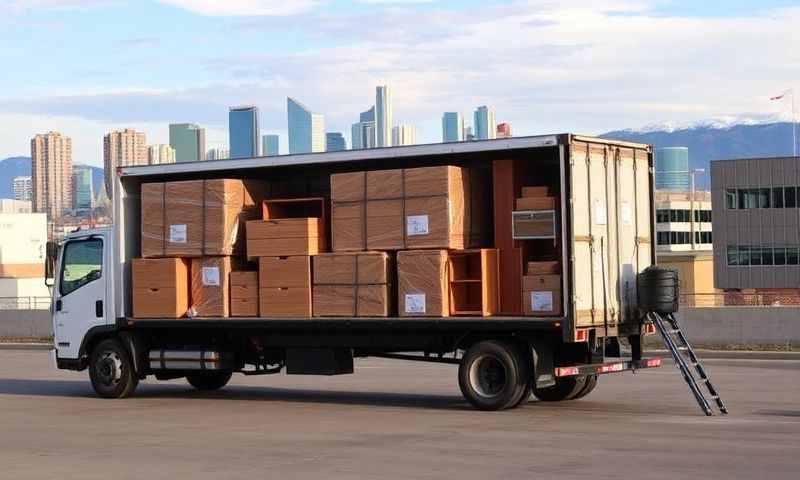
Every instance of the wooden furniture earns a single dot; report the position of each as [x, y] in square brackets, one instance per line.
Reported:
[473, 281]
[505, 184]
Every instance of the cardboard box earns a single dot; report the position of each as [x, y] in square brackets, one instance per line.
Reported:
[422, 283]
[160, 287]
[285, 236]
[415, 208]
[538, 191]
[197, 217]
[210, 287]
[541, 295]
[544, 267]
[244, 294]
[285, 302]
[540, 224]
[352, 284]
[291, 271]
[536, 203]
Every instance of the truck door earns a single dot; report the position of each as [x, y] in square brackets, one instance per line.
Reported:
[79, 293]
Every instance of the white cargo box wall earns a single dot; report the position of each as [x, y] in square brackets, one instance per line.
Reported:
[606, 203]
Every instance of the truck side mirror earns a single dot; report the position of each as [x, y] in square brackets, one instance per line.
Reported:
[50, 263]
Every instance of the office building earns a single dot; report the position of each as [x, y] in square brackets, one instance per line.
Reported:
[51, 174]
[306, 129]
[82, 188]
[368, 115]
[404, 135]
[189, 142]
[756, 223]
[243, 132]
[218, 154]
[9, 205]
[452, 127]
[469, 136]
[383, 116]
[160, 154]
[504, 130]
[23, 188]
[485, 125]
[335, 142]
[684, 241]
[362, 135]
[122, 148]
[672, 168]
[270, 145]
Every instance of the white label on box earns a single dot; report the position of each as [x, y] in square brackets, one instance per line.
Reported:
[542, 301]
[416, 225]
[211, 276]
[600, 217]
[177, 233]
[415, 303]
[626, 213]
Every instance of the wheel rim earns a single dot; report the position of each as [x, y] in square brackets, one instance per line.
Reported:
[488, 376]
[109, 368]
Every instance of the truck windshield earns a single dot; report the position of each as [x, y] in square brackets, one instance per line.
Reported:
[83, 263]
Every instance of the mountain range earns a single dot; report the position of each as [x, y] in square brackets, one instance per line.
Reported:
[21, 166]
[715, 141]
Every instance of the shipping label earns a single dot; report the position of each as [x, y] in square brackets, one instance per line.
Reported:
[600, 215]
[542, 301]
[626, 213]
[177, 233]
[415, 303]
[416, 225]
[211, 276]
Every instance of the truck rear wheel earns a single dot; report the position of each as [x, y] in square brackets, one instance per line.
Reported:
[492, 375]
[591, 382]
[208, 381]
[111, 370]
[566, 388]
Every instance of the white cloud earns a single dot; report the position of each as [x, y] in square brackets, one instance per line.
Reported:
[232, 8]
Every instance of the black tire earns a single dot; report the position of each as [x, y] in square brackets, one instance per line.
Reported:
[565, 389]
[490, 375]
[111, 370]
[591, 383]
[208, 381]
[525, 358]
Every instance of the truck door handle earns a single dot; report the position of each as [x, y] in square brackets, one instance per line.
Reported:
[98, 308]
[58, 305]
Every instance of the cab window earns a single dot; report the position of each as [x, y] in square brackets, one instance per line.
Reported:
[83, 263]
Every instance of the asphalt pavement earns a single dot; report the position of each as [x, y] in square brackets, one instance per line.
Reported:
[396, 420]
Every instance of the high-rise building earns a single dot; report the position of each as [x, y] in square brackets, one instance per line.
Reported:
[189, 142]
[51, 174]
[122, 148]
[362, 135]
[243, 132]
[218, 154]
[82, 189]
[335, 142]
[672, 168]
[404, 135]
[306, 129]
[368, 115]
[485, 125]
[159, 154]
[452, 127]
[23, 189]
[504, 130]
[383, 116]
[270, 146]
[468, 134]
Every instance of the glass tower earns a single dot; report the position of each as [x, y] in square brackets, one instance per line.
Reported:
[189, 142]
[452, 127]
[485, 126]
[335, 142]
[243, 132]
[672, 168]
[306, 129]
[270, 146]
[383, 116]
[82, 184]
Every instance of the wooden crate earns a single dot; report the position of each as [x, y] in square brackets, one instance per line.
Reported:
[473, 282]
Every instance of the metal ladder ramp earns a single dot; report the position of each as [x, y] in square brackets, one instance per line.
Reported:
[684, 356]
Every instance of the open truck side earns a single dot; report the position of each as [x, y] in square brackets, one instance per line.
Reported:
[604, 229]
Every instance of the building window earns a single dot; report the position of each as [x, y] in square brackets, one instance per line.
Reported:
[744, 255]
[733, 255]
[662, 216]
[777, 197]
[789, 197]
[730, 199]
[779, 254]
[662, 238]
[766, 256]
[791, 256]
[763, 197]
[755, 255]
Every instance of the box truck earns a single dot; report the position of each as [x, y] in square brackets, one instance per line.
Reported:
[538, 297]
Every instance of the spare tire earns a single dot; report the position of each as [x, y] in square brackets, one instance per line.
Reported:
[658, 289]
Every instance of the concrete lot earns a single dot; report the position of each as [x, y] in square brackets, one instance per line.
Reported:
[396, 420]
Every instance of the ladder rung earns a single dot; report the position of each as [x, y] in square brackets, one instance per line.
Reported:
[682, 349]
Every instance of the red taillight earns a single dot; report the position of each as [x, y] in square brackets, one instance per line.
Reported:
[581, 335]
[611, 367]
[649, 329]
[566, 371]
[652, 362]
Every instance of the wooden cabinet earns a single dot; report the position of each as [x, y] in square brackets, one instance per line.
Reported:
[473, 281]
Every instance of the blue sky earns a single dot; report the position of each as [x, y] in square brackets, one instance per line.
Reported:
[84, 67]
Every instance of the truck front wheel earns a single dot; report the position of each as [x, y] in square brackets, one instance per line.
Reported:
[111, 370]
[208, 381]
[492, 375]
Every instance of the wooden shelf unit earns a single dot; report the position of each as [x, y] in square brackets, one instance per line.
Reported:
[473, 282]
